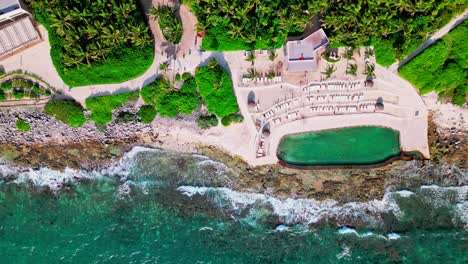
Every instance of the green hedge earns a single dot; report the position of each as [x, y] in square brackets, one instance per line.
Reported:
[21, 125]
[171, 102]
[215, 87]
[443, 67]
[67, 111]
[102, 106]
[205, 122]
[147, 113]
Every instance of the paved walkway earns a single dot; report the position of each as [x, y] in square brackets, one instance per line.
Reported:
[438, 35]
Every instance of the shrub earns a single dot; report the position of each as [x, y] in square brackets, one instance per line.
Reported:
[147, 113]
[20, 83]
[205, 122]
[170, 102]
[21, 125]
[186, 76]
[18, 94]
[215, 87]
[2, 97]
[5, 86]
[233, 118]
[126, 117]
[102, 106]
[66, 111]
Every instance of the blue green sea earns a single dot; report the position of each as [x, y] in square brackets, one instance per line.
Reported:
[163, 207]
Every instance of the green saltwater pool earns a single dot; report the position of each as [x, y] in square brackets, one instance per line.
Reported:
[346, 146]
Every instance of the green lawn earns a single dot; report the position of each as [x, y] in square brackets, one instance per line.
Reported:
[67, 111]
[347, 146]
[443, 67]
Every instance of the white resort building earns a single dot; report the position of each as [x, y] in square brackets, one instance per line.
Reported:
[17, 30]
[303, 55]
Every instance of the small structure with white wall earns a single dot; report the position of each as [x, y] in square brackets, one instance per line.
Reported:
[303, 55]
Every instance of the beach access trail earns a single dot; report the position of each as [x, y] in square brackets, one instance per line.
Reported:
[436, 36]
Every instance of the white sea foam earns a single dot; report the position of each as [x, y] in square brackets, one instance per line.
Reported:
[393, 236]
[55, 180]
[346, 253]
[461, 212]
[293, 211]
[405, 193]
[309, 211]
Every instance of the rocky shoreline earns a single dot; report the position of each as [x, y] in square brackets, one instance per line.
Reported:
[55, 145]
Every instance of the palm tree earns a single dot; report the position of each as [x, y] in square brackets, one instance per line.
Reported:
[164, 66]
[348, 54]
[273, 55]
[351, 69]
[369, 52]
[329, 70]
[251, 74]
[369, 70]
[212, 63]
[251, 57]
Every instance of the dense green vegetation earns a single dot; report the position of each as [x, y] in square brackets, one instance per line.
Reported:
[96, 42]
[215, 87]
[169, 23]
[443, 67]
[170, 102]
[102, 106]
[67, 111]
[250, 24]
[147, 113]
[395, 27]
[207, 121]
[22, 125]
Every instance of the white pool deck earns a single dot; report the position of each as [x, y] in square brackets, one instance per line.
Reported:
[401, 102]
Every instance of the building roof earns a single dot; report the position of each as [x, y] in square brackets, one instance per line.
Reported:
[8, 6]
[16, 35]
[302, 54]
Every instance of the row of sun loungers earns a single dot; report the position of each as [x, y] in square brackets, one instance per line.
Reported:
[275, 79]
[334, 86]
[268, 114]
[322, 109]
[367, 107]
[346, 109]
[292, 115]
[261, 148]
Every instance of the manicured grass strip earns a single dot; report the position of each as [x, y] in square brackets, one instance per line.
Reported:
[215, 87]
[443, 67]
[347, 146]
[67, 111]
[102, 106]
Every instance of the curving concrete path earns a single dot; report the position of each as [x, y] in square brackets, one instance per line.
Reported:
[438, 35]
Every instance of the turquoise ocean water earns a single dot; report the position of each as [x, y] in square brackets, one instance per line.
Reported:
[146, 209]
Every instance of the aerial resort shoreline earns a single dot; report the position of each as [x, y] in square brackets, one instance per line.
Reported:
[233, 131]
